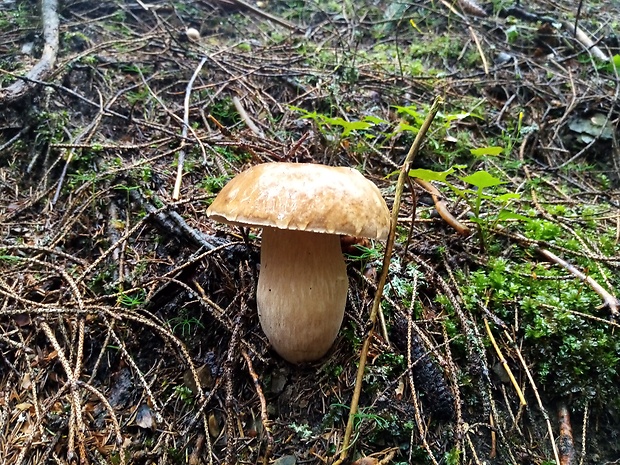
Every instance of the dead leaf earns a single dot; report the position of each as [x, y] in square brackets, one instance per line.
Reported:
[144, 417]
[366, 461]
[51, 356]
[214, 426]
[400, 389]
[22, 319]
[204, 376]
[23, 406]
[26, 382]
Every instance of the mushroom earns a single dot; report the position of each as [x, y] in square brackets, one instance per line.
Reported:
[192, 33]
[303, 209]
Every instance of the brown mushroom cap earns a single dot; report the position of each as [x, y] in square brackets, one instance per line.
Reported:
[304, 197]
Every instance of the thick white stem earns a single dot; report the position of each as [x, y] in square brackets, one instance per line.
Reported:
[302, 292]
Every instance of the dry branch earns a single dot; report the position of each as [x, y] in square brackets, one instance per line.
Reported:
[40, 71]
[386, 266]
[585, 40]
[442, 208]
[181, 158]
[505, 363]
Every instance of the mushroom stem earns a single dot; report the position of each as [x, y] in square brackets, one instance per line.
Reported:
[302, 292]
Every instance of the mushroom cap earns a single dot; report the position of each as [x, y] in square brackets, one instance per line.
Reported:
[304, 197]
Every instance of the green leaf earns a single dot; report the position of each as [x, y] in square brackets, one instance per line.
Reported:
[612, 65]
[455, 116]
[411, 111]
[300, 110]
[508, 215]
[508, 196]
[430, 175]
[482, 179]
[375, 119]
[348, 126]
[483, 151]
[407, 127]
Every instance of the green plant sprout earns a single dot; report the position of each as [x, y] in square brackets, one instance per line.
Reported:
[184, 323]
[480, 180]
[132, 300]
[184, 393]
[327, 123]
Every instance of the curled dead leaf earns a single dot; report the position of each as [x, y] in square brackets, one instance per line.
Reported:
[144, 417]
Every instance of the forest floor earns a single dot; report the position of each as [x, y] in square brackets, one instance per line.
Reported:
[128, 323]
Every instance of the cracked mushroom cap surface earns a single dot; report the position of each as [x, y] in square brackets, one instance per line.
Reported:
[304, 197]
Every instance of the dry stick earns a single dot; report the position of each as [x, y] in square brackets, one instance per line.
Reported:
[264, 14]
[609, 300]
[246, 118]
[538, 399]
[181, 158]
[384, 273]
[76, 422]
[586, 41]
[229, 365]
[263, 405]
[584, 245]
[441, 207]
[485, 63]
[504, 363]
[51, 24]
[493, 452]
[584, 435]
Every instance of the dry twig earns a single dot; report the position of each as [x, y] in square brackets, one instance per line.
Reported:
[181, 156]
[51, 24]
[505, 363]
[442, 208]
[384, 273]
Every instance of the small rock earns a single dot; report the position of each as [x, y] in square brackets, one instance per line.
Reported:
[286, 460]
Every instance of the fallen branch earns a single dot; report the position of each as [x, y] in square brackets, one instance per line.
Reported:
[608, 299]
[382, 280]
[505, 363]
[181, 158]
[441, 207]
[263, 405]
[246, 118]
[257, 11]
[585, 40]
[40, 71]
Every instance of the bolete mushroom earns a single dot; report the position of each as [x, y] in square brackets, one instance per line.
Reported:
[303, 209]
